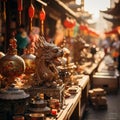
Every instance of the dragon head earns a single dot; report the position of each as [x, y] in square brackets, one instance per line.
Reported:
[48, 52]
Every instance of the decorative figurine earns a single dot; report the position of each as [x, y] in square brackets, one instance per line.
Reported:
[46, 60]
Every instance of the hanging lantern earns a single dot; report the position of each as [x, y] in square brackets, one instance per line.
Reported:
[31, 11]
[20, 5]
[42, 15]
[20, 8]
[83, 28]
[68, 23]
[4, 10]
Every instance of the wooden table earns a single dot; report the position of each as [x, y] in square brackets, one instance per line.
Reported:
[85, 86]
[90, 70]
[76, 104]
[71, 110]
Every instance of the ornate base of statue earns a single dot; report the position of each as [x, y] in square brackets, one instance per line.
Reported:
[54, 92]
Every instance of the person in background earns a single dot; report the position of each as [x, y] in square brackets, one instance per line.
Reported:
[22, 39]
[104, 43]
[115, 48]
[118, 67]
[93, 52]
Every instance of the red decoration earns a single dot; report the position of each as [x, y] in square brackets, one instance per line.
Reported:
[54, 112]
[91, 32]
[69, 23]
[115, 30]
[83, 27]
[31, 11]
[20, 5]
[42, 15]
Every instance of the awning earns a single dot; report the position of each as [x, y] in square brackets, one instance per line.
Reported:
[58, 9]
[114, 20]
[116, 30]
[113, 11]
[66, 8]
[60, 6]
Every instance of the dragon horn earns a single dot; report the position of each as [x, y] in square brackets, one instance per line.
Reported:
[45, 43]
[40, 42]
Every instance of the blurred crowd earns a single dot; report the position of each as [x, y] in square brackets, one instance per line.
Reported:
[111, 46]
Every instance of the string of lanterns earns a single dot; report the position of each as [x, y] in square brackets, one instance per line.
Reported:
[31, 12]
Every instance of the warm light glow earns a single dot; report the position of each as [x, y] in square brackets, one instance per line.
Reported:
[94, 6]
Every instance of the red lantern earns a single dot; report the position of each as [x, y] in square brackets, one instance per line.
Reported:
[20, 5]
[66, 23]
[42, 15]
[69, 24]
[31, 11]
[83, 27]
